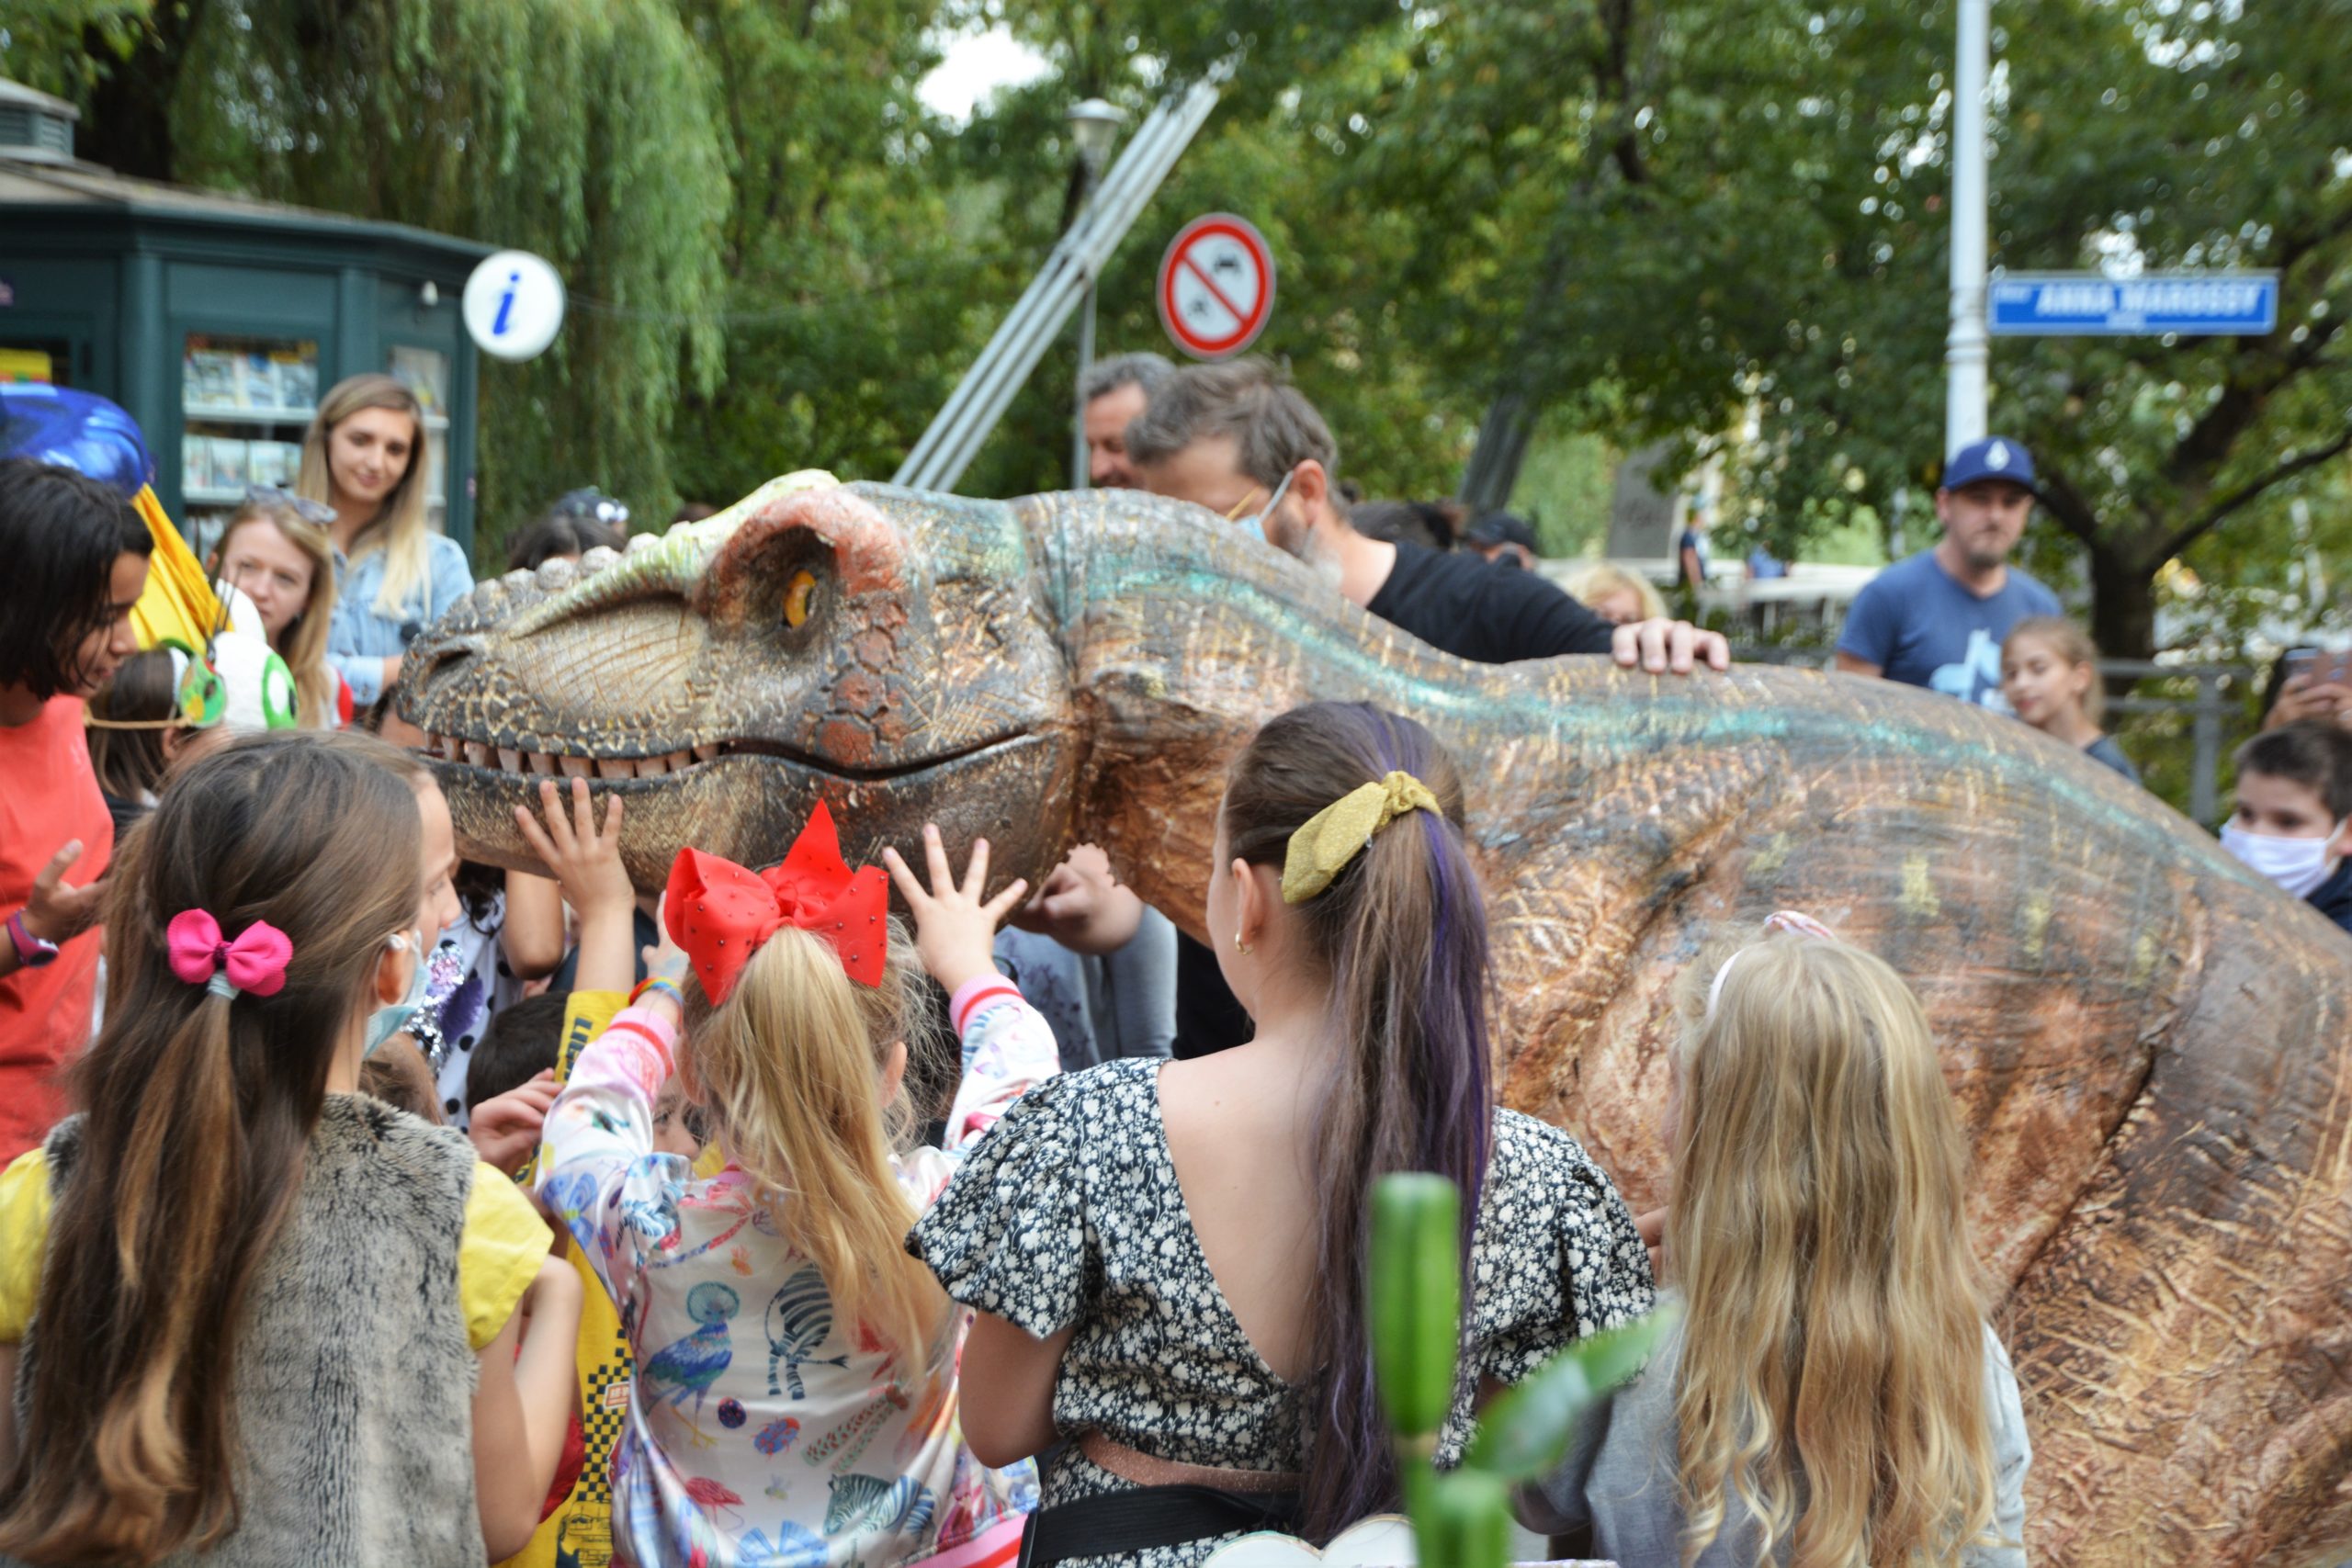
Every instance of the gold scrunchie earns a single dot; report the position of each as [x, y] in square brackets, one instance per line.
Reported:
[1331, 838]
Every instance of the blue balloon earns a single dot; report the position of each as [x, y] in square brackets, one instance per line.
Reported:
[75, 430]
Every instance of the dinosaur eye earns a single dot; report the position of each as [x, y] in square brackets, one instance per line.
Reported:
[797, 593]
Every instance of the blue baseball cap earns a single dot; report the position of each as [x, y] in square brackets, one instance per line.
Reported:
[1994, 457]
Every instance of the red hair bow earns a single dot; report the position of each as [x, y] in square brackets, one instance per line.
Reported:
[721, 913]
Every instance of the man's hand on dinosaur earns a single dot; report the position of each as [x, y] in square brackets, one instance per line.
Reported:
[1082, 907]
[1662, 645]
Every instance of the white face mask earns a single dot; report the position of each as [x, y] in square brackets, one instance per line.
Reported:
[2298, 865]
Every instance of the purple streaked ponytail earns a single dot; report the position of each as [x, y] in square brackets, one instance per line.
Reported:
[1401, 936]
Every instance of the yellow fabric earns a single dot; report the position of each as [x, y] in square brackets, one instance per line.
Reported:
[580, 1529]
[1337, 834]
[24, 1228]
[178, 605]
[498, 1256]
[500, 1253]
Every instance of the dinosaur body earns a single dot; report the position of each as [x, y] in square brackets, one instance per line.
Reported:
[2148, 1046]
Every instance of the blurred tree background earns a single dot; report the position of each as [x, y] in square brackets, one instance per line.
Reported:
[1515, 241]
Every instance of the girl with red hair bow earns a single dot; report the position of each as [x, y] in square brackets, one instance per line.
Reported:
[795, 1397]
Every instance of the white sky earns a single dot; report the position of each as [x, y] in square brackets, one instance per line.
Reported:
[975, 66]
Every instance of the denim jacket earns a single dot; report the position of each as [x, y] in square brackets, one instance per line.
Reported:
[359, 639]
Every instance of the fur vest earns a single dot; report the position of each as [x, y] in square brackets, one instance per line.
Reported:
[354, 1379]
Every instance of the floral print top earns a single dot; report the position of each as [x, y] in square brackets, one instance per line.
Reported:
[761, 1431]
[1070, 1214]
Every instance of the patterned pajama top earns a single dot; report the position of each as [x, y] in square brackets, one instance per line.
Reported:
[1070, 1214]
[762, 1430]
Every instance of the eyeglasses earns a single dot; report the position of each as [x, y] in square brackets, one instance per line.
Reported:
[317, 513]
[1259, 520]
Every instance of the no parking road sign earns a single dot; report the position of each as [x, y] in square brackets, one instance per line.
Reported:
[1216, 286]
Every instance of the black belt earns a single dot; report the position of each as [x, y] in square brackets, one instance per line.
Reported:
[1114, 1524]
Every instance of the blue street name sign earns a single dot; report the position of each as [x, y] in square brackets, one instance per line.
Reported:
[2084, 304]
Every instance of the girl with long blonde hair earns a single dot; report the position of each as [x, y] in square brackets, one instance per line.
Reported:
[1834, 1397]
[363, 455]
[2049, 679]
[796, 1396]
[276, 552]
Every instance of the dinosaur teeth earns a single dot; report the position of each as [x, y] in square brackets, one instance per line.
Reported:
[544, 764]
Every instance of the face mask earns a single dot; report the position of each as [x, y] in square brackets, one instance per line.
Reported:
[1255, 521]
[2296, 865]
[387, 1021]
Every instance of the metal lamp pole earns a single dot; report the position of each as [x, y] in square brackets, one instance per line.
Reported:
[1966, 349]
[1094, 126]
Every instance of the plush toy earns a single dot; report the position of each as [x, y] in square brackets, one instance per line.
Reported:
[256, 688]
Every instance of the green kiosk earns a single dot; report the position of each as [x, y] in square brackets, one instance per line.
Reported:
[217, 321]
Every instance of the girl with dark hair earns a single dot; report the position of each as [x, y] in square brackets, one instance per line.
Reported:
[77, 563]
[581, 521]
[247, 1311]
[136, 732]
[1168, 1259]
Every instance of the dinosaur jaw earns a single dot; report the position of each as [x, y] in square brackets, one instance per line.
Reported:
[742, 800]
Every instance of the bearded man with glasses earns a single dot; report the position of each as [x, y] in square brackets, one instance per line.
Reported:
[1239, 440]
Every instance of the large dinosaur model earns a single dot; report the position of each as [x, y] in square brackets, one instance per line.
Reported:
[2149, 1046]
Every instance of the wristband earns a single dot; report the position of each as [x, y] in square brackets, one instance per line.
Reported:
[663, 984]
[32, 952]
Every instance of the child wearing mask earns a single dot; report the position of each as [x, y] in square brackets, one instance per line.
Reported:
[250, 1314]
[2293, 822]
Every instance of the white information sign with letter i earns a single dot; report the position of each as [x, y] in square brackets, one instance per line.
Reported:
[514, 304]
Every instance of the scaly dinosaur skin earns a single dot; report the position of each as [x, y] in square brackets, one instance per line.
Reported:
[2148, 1046]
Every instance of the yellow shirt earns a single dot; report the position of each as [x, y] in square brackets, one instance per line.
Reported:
[580, 1529]
[498, 1256]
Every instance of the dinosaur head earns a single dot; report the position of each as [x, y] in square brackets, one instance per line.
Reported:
[871, 648]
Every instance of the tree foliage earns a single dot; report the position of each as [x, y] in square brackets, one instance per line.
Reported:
[1722, 221]
[587, 130]
[1736, 210]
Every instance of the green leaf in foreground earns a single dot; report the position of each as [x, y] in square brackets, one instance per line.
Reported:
[1415, 1299]
[1463, 1521]
[1526, 1432]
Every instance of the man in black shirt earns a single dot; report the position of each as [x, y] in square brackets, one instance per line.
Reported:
[1234, 437]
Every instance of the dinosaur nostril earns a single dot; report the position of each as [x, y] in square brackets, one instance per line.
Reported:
[440, 658]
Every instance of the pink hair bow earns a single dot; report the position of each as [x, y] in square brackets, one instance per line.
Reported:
[256, 962]
[1779, 920]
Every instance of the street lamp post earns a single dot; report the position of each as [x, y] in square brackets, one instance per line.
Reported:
[1967, 349]
[1094, 126]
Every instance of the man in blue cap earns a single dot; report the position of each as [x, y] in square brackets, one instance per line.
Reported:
[1937, 619]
